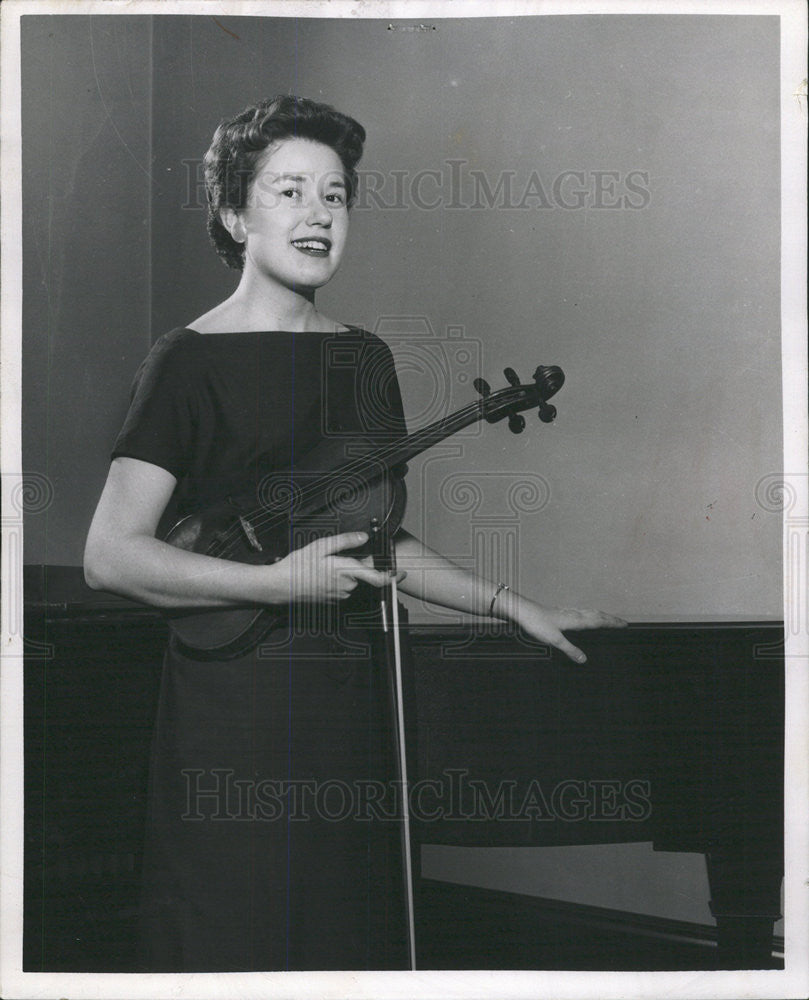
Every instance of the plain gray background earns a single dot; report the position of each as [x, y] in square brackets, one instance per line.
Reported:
[665, 318]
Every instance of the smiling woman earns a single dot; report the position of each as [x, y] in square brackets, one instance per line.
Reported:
[251, 863]
[293, 228]
[283, 174]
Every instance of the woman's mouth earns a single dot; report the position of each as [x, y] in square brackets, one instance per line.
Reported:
[314, 246]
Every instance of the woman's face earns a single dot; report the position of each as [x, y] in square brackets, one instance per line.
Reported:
[296, 217]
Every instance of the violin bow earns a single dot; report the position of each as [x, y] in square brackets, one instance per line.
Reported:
[385, 560]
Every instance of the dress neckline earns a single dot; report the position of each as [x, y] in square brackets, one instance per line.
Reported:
[247, 333]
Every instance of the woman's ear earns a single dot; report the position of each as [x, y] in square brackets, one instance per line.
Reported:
[232, 221]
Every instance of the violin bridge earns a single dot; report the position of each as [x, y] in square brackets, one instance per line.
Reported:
[250, 533]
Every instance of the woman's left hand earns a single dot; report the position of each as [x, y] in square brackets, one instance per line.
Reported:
[548, 624]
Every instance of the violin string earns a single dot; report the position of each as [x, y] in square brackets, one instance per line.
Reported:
[263, 516]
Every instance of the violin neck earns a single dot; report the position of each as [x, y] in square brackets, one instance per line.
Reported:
[369, 467]
[395, 452]
[425, 438]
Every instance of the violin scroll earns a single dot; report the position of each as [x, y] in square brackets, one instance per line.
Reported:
[549, 380]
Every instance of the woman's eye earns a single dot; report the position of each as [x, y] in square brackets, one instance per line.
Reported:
[290, 193]
[336, 199]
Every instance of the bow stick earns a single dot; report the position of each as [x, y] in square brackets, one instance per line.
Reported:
[384, 555]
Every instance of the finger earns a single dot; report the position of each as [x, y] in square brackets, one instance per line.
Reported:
[599, 619]
[571, 651]
[347, 564]
[374, 577]
[576, 619]
[336, 543]
[388, 574]
[368, 561]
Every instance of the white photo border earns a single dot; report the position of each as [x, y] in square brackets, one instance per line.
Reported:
[793, 981]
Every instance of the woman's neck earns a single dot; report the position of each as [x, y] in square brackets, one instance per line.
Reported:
[255, 306]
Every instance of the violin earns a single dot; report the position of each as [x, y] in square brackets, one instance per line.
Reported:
[329, 491]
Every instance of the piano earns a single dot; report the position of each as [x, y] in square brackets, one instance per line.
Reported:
[670, 734]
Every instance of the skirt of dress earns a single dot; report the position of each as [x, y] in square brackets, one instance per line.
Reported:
[273, 831]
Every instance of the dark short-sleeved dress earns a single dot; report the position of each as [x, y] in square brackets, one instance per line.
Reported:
[272, 836]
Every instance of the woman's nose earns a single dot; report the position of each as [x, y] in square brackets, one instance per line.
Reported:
[319, 213]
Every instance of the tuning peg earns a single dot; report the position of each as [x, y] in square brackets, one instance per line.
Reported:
[511, 376]
[516, 423]
[482, 386]
[547, 412]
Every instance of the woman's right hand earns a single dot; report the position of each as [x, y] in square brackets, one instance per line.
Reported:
[318, 572]
[123, 556]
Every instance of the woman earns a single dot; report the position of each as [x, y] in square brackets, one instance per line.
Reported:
[246, 868]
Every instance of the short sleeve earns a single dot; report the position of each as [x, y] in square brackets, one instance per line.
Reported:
[161, 424]
[378, 396]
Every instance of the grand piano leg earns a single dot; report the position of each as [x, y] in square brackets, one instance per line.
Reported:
[745, 900]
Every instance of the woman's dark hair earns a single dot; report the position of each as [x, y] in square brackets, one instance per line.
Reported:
[238, 143]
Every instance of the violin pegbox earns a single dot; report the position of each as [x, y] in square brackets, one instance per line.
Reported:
[509, 402]
[516, 422]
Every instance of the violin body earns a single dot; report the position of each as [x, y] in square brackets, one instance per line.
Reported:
[326, 494]
[231, 530]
